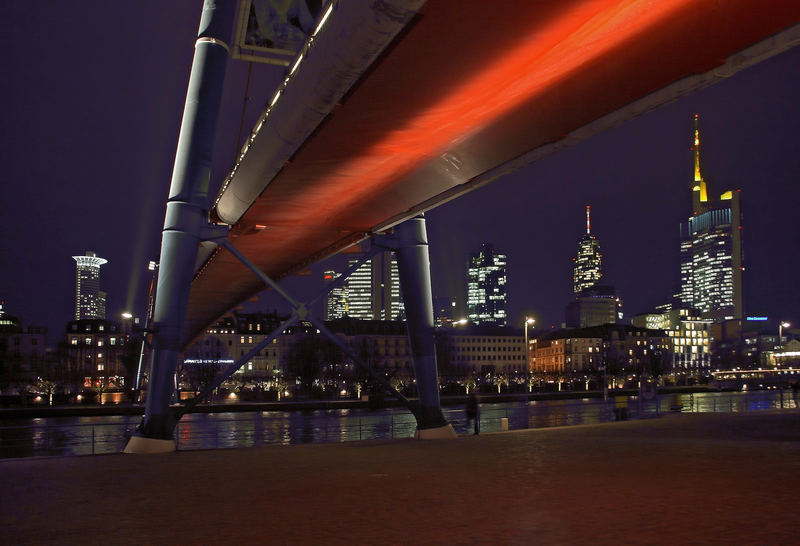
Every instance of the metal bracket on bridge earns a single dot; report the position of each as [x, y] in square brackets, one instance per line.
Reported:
[386, 241]
[214, 233]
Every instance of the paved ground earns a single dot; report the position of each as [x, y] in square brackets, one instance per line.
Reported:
[683, 479]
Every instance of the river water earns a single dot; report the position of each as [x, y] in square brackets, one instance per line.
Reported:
[57, 436]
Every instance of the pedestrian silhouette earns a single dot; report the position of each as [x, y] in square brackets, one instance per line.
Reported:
[474, 411]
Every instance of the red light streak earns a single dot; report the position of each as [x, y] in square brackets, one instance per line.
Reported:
[587, 31]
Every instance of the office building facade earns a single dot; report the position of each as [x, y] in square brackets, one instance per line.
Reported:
[690, 336]
[22, 349]
[96, 349]
[588, 261]
[711, 249]
[484, 349]
[620, 349]
[230, 339]
[594, 306]
[90, 301]
[372, 292]
[487, 297]
[336, 303]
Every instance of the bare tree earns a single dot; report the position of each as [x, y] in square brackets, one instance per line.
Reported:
[305, 361]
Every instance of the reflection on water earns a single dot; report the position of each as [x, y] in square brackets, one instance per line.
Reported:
[93, 435]
[211, 431]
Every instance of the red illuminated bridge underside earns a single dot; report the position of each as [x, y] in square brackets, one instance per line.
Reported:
[469, 86]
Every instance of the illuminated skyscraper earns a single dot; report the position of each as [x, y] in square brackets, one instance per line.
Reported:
[711, 249]
[588, 261]
[372, 292]
[486, 287]
[337, 300]
[90, 301]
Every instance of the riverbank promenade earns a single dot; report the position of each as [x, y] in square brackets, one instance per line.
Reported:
[680, 479]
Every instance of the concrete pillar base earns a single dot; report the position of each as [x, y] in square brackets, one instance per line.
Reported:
[140, 444]
[438, 433]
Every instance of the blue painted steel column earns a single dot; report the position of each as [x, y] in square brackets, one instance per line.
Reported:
[187, 208]
[414, 266]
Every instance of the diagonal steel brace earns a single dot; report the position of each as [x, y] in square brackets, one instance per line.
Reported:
[300, 311]
[231, 369]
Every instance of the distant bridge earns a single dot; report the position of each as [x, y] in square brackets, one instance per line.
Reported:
[754, 378]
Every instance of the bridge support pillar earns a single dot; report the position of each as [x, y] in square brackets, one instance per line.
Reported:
[414, 266]
[185, 221]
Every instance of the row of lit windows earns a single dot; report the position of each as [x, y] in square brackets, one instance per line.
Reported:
[690, 341]
[88, 341]
[465, 358]
[88, 327]
[475, 349]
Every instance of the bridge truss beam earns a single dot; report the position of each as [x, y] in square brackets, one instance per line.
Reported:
[409, 241]
[300, 311]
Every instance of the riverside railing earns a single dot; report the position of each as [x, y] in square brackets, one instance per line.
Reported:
[250, 429]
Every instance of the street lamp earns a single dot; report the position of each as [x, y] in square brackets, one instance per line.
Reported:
[528, 320]
[126, 322]
[781, 326]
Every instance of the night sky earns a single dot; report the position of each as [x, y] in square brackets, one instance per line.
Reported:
[93, 98]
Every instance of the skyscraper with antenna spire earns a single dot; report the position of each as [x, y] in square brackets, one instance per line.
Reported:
[699, 187]
[711, 248]
[588, 261]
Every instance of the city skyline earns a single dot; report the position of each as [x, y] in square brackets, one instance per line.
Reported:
[242, 169]
[113, 171]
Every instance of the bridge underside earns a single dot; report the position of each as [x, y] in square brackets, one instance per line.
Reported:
[375, 127]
